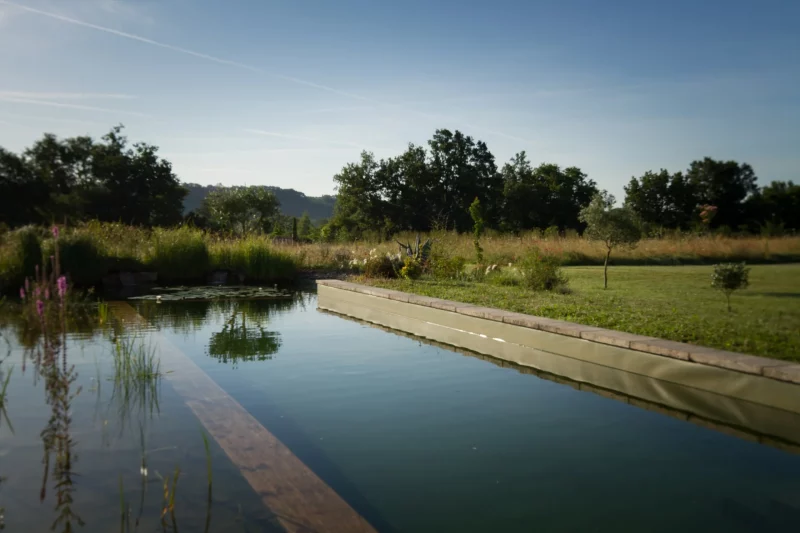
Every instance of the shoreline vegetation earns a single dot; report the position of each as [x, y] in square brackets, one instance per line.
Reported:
[187, 255]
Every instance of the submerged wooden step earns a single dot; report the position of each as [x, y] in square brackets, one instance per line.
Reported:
[301, 501]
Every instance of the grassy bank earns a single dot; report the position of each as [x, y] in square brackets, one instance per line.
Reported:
[186, 255]
[674, 303]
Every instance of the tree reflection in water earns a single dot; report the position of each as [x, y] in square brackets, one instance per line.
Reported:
[244, 336]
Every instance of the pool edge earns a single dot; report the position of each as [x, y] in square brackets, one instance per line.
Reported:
[493, 332]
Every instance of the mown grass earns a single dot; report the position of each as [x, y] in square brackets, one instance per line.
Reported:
[674, 303]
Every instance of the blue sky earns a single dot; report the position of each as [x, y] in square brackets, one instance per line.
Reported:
[285, 92]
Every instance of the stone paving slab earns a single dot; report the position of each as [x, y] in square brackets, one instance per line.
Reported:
[784, 371]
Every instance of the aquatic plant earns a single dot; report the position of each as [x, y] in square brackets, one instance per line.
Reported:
[137, 376]
[135, 361]
[170, 489]
[210, 480]
[3, 401]
[46, 301]
[180, 255]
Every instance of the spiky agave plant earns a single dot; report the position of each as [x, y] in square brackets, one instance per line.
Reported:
[419, 253]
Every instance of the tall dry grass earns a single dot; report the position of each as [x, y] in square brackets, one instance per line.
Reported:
[188, 255]
[574, 250]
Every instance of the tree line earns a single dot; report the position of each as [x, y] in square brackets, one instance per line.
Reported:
[424, 188]
[81, 178]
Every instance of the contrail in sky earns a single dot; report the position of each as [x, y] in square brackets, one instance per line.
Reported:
[247, 67]
[70, 106]
[182, 50]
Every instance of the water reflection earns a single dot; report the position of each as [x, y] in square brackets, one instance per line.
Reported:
[244, 335]
[240, 341]
[189, 316]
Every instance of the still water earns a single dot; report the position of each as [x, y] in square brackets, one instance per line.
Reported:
[413, 437]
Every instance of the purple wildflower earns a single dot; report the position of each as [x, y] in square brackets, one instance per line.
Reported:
[22, 294]
[27, 285]
[62, 287]
[47, 294]
[40, 307]
[37, 291]
[55, 232]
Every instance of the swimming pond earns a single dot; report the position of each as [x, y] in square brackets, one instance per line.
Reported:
[309, 414]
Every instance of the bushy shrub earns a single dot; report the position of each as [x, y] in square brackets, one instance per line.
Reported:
[444, 267]
[379, 266]
[411, 269]
[80, 257]
[730, 277]
[541, 272]
[20, 253]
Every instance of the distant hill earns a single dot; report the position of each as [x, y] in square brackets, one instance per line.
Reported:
[293, 203]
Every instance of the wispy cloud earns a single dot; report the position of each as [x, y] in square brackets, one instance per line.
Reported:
[250, 68]
[342, 109]
[255, 151]
[79, 107]
[51, 119]
[65, 96]
[309, 139]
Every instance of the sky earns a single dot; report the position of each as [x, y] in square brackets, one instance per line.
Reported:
[286, 92]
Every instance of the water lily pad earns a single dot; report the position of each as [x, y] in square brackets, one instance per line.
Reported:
[166, 294]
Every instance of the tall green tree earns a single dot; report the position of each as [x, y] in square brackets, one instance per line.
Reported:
[544, 196]
[87, 179]
[23, 193]
[464, 169]
[724, 184]
[242, 210]
[777, 204]
[661, 199]
[526, 197]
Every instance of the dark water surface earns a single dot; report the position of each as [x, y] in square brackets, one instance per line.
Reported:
[414, 437]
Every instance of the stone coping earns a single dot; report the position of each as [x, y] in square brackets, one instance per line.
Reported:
[785, 371]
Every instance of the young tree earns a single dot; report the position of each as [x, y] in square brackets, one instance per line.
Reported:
[615, 227]
[477, 228]
[730, 277]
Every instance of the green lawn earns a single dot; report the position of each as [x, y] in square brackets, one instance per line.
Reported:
[675, 303]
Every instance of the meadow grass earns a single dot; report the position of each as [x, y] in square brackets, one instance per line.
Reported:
[674, 303]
